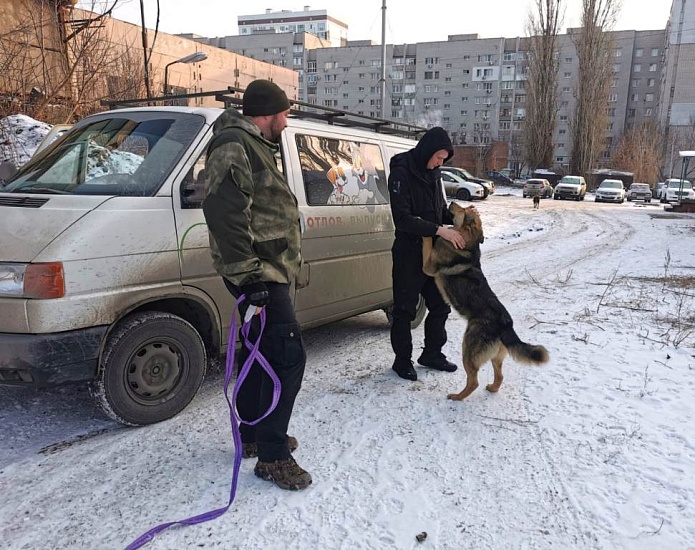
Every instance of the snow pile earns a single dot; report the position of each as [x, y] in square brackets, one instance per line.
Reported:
[20, 135]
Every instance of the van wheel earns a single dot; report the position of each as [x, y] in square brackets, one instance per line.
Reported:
[152, 365]
[463, 195]
[420, 313]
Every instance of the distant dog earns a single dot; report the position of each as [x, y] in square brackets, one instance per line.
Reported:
[536, 202]
[490, 332]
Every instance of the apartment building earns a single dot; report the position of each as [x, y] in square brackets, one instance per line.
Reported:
[316, 22]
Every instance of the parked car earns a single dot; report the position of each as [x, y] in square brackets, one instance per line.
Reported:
[571, 187]
[458, 188]
[610, 191]
[537, 186]
[499, 178]
[675, 190]
[108, 279]
[488, 185]
[639, 191]
[656, 191]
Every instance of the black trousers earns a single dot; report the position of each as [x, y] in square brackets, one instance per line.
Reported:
[409, 282]
[282, 346]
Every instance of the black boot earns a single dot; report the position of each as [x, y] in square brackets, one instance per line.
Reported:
[405, 369]
[437, 361]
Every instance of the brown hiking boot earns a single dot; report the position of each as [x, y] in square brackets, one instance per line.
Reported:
[286, 474]
[250, 450]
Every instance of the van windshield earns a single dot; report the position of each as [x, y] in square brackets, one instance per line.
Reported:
[125, 154]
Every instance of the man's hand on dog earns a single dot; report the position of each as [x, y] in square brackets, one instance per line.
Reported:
[450, 234]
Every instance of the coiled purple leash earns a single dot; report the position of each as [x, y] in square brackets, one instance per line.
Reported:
[255, 355]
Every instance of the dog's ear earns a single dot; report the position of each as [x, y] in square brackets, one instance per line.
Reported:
[477, 229]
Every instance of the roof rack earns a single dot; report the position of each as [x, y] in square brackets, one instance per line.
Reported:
[299, 109]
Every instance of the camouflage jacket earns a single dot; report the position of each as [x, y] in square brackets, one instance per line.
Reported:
[251, 213]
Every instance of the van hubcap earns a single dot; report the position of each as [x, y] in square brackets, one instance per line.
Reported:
[154, 370]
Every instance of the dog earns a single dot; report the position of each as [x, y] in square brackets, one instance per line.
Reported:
[490, 332]
[536, 202]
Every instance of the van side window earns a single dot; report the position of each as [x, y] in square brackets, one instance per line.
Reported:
[340, 172]
[193, 185]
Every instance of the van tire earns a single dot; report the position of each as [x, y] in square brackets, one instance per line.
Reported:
[420, 312]
[127, 390]
[463, 195]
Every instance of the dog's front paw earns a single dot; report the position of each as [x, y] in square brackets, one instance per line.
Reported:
[492, 388]
[454, 396]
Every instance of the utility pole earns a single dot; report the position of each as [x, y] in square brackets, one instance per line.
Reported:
[146, 70]
[383, 59]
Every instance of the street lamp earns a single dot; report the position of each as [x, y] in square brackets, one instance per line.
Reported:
[192, 58]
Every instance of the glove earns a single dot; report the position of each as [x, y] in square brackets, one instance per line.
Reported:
[256, 294]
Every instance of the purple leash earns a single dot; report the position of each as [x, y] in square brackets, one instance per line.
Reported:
[255, 355]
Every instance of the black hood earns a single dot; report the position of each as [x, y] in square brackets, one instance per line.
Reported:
[435, 139]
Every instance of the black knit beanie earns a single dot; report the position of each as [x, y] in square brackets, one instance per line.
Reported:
[263, 97]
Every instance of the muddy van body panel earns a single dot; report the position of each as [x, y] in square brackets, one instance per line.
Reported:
[339, 178]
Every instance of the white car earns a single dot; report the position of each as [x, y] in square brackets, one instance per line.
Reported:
[675, 190]
[570, 187]
[610, 191]
[460, 189]
[639, 191]
[488, 185]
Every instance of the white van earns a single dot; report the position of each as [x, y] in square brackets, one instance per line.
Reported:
[105, 272]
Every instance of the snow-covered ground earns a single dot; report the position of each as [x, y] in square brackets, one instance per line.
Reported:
[594, 450]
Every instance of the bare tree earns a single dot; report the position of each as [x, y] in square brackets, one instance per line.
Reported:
[57, 63]
[639, 151]
[541, 87]
[594, 45]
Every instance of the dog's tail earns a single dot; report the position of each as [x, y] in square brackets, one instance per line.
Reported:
[521, 351]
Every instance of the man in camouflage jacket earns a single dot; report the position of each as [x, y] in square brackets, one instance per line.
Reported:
[253, 224]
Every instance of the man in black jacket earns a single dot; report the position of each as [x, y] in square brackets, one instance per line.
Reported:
[419, 209]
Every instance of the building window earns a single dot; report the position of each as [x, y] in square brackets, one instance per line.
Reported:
[616, 68]
[567, 75]
[637, 68]
[562, 132]
[634, 97]
[649, 97]
[652, 67]
[655, 52]
[618, 53]
[568, 60]
[563, 118]
[648, 112]
[639, 52]
[651, 82]
[559, 160]
[636, 82]
[612, 98]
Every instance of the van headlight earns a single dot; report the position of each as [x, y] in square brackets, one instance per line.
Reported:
[40, 280]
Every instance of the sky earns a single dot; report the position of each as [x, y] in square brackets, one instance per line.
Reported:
[434, 20]
[593, 450]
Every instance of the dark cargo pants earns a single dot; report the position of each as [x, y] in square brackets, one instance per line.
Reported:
[409, 282]
[282, 346]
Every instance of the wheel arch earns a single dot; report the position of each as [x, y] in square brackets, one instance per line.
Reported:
[190, 308]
